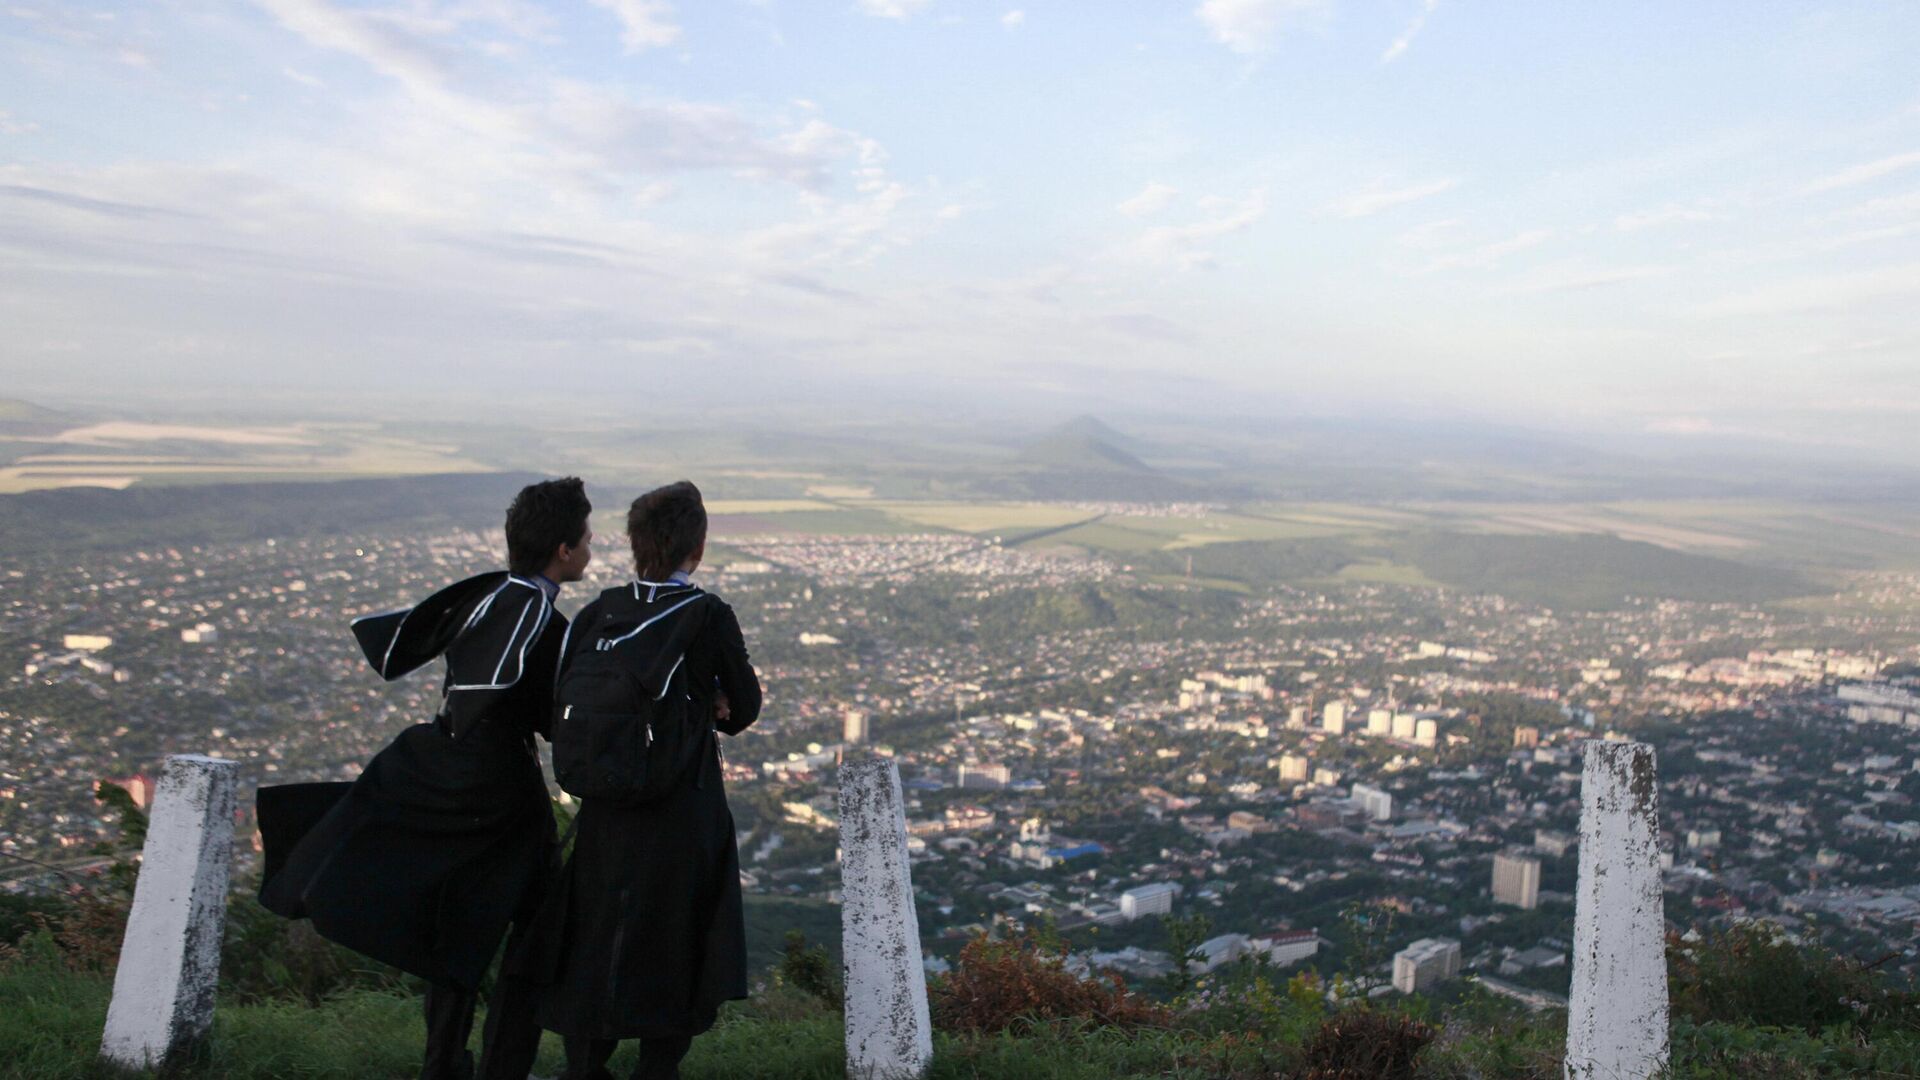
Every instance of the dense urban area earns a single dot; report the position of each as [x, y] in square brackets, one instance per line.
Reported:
[1381, 772]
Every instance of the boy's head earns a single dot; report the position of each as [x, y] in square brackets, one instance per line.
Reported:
[667, 526]
[547, 530]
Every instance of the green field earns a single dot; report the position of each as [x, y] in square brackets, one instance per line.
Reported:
[1559, 551]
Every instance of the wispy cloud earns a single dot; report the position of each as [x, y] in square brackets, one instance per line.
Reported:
[1249, 26]
[113, 208]
[10, 126]
[644, 24]
[893, 9]
[1013, 19]
[1152, 199]
[1863, 173]
[1666, 215]
[1188, 247]
[1578, 278]
[1378, 197]
[1400, 44]
[1479, 258]
[1846, 289]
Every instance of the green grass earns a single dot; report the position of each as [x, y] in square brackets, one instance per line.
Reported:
[51, 1020]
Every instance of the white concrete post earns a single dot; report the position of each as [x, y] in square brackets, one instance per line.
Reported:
[889, 1033]
[170, 960]
[1617, 1015]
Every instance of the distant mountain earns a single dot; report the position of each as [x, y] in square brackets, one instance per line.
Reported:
[15, 410]
[1094, 427]
[19, 417]
[1084, 443]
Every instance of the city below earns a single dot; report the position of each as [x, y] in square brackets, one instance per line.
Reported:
[1085, 745]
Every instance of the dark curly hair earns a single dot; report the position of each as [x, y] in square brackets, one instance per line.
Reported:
[544, 516]
[665, 526]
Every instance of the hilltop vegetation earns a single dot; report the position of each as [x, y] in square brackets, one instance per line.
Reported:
[1589, 571]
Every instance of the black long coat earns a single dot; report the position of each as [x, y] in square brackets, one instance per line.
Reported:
[642, 935]
[447, 836]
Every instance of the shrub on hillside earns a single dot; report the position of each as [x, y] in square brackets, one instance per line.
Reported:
[1753, 974]
[266, 957]
[89, 920]
[810, 970]
[1364, 1044]
[1016, 982]
[22, 915]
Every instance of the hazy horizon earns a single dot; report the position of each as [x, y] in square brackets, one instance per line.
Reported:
[1688, 231]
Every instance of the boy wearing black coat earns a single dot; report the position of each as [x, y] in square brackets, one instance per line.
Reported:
[642, 935]
[447, 837]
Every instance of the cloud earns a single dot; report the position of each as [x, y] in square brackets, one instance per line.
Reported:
[10, 126]
[1152, 199]
[1863, 173]
[1902, 207]
[1683, 425]
[644, 24]
[1249, 26]
[561, 134]
[1581, 278]
[104, 207]
[1824, 292]
[301, 77]
[1665, 215]
[1378, 197]
[1486, 255]
[1428, 235]
[892, 9]
[1400, 44]
[1013, 19]
[1185, 247]
[380, 43]
[1146, 326]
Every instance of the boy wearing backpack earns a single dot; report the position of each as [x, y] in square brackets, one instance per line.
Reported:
[642, 935]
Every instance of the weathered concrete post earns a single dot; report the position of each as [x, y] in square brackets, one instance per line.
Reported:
[170, 960]
[1617, 1015]
[889, 1034]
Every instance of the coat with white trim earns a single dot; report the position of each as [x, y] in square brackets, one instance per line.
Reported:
[643, 934]
[447, 836]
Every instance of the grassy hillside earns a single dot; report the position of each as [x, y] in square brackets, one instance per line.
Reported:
[1255, 562]
[1588, 571]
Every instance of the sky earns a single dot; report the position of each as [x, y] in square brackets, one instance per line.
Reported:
[1684, 221]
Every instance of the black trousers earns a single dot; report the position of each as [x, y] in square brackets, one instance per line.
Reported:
[508, 1044]
[659, 1058]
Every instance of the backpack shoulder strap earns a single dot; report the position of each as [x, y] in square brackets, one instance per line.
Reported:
[649, 612]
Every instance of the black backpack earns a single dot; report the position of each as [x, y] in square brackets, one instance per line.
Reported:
[623, 729]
